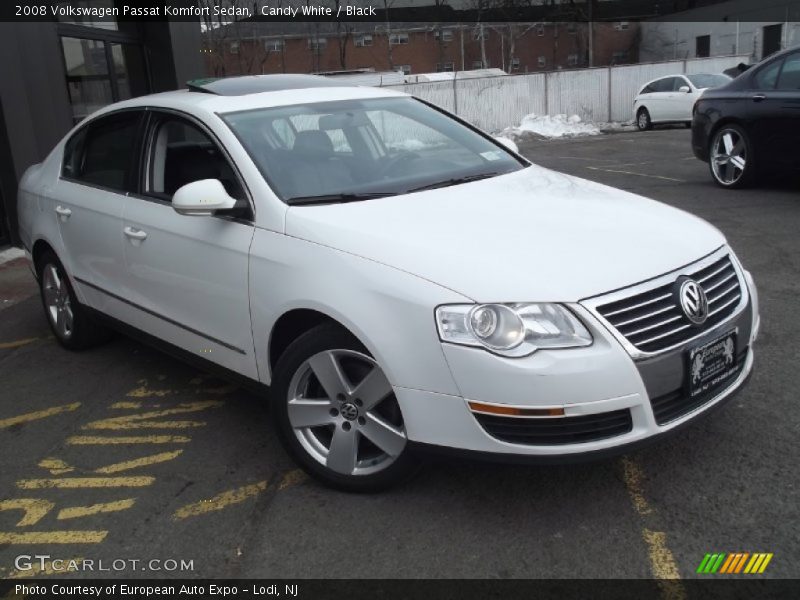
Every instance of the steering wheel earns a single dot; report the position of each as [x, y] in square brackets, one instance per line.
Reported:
[394, 161]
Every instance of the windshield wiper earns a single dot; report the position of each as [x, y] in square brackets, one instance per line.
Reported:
[336, 198]
[453, 181]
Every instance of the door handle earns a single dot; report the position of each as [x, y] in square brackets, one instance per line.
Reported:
[759, 97]
[135, 234]
[64, 213]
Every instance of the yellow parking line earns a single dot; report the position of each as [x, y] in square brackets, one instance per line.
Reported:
[53, 537]
[220, 501]
[293, 477]
[74, 512]
[124, 405]
[139, 462]
[34, 509]
[67, 564]
[145, 392]
[85, 482]
[82, 440]
[633, 476]
[39, 414]
[144, 420]
[662, 562]
[16, 343]
[56, 466]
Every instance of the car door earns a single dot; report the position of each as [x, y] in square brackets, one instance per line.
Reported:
[773, 109]
[88, 201]
[658, 103]
[782, 114]
[187, 276]
[683, 100]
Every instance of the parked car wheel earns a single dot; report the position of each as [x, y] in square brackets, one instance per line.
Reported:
[337, 414]
[643, 121]
[731, 158]
[72, 325]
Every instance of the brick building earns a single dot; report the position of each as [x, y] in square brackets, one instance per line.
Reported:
[254, 48]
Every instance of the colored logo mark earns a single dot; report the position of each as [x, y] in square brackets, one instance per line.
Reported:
[735, 562]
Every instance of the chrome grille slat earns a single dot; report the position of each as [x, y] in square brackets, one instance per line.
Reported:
[736, 298]
[717, 297]
[629, 308]
[647, 316]
[711, 288]
[654, 326]
[663, 335]
[650, 319]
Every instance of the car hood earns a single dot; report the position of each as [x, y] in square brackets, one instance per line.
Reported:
[531, 235]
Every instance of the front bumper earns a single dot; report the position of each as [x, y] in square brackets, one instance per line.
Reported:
[599, 386]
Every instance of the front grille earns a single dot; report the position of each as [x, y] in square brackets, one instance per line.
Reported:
[677, 403]
[653, 320]
[554, 431]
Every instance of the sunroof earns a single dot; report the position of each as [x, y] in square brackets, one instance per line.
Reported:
[255, 84]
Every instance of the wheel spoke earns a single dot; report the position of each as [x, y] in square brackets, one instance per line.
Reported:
[738, 162]
[61, 322]
[68, 317]
[373, 388]
[343, 452]
[329, 373]
[50, 295]
[384, 436]
[309, 413]
[738, 148]
[727, 139]
[730, 172]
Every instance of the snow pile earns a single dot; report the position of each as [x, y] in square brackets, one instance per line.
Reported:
[547, 126]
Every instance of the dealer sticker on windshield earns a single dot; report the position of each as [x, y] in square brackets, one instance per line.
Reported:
[712, 364]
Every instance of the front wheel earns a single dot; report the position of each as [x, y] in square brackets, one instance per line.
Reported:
[731, 159]
[337, 413]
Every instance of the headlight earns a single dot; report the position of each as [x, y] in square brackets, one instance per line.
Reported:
[511, 329]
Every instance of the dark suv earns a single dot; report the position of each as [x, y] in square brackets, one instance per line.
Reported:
[752, 123]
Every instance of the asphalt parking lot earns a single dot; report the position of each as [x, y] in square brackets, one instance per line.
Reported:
[125, 453]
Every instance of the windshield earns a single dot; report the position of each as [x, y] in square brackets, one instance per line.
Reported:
[708, 81]
[360, 149]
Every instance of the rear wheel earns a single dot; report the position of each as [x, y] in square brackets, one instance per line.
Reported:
[643, 121]
[337, 413]
[731, 157]
[69, 320]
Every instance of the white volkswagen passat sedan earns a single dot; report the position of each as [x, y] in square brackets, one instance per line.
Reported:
[400, 280]
[671, 99]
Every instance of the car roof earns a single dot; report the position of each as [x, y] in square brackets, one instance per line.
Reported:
[251, 92]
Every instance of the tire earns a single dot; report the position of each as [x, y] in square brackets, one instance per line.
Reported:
[371, 452]
[69, 320]
[643, 121]
[731, 158]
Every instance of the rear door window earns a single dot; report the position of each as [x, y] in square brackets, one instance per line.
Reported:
[104, 152]
[767, 77]
[789, 79]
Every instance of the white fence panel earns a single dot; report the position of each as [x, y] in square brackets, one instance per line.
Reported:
[598, 94]
[582, 92]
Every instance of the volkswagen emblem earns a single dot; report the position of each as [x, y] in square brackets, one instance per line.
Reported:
[349, 411]
[693, 301]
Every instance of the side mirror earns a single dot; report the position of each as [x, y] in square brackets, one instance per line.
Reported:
[508, 143]
[202, 198]
[685, 89]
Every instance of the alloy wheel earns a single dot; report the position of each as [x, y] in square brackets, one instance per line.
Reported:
[728, 156]
[344, 413]
[57, 301]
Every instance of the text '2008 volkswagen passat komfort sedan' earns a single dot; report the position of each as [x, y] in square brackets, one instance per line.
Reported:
[400, 280]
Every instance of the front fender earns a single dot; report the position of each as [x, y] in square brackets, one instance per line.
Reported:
[389, 311]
